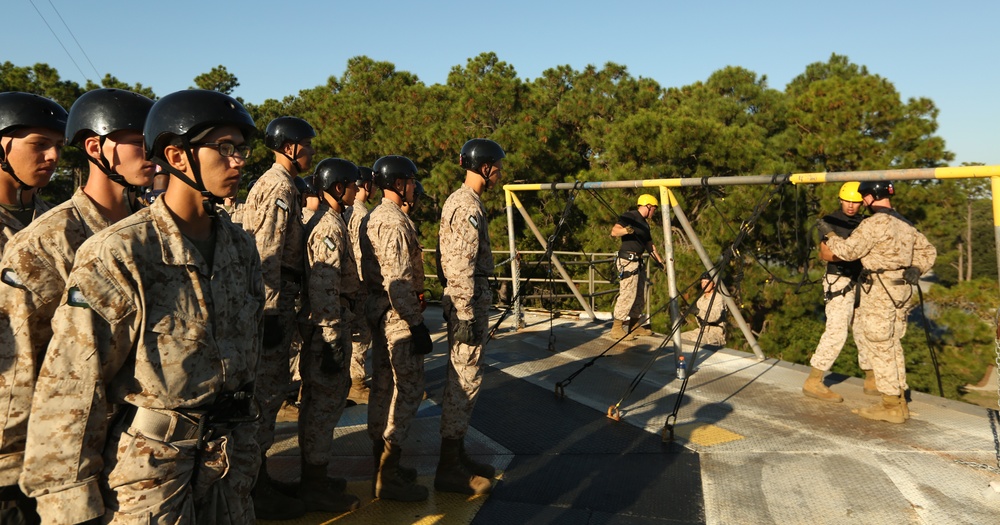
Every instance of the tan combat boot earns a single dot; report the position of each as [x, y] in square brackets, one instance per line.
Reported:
[904, 406]
[815, 388]
[870, 388]
[359, 392]
[480, 469]
[407, 473]
[617, 332]
[638, 330]
[888, 410]
[321, 493]
[270, 504]
[389, 484]
[452, 476]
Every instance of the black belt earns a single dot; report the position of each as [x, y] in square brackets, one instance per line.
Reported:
[231, 409]
[629, 256]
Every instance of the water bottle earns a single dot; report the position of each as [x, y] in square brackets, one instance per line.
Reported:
[681, 368]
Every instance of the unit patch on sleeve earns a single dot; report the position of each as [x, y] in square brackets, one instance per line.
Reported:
[74, 297]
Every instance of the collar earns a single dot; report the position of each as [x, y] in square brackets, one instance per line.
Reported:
[92, 217]
[178, 252]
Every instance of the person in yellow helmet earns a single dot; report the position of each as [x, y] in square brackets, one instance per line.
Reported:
[839, 294]
[633, 229]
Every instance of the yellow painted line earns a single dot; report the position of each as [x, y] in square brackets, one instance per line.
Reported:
[440, 507]
[705, 434]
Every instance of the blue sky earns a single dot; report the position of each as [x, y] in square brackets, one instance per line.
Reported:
[945, 51]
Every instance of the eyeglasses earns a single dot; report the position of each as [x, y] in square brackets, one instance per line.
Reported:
[228, 149]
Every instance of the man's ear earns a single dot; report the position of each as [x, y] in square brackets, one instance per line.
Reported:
[92, 146]
[175, 157]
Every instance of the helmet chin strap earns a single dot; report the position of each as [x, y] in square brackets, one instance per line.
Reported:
[402, 195]
[209, 199]
[105, 166]
[295, 163]
[485, 168]
[339, 197]
[5, 166]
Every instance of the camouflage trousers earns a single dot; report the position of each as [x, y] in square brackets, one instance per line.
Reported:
[839, 317]
[361, 341]
[148, 480]
[324, 396]
[273, 371]
[711, 336]
[397, 380]
[632, 295]
[878, 329]
[465, 372]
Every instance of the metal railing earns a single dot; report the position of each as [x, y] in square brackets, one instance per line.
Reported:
[597, 282]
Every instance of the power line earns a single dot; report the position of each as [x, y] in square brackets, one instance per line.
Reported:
[70, 31]
[58, 40]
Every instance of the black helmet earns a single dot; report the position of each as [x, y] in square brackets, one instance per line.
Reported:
[390, 168]
[366, 175]
[331, 171]
[305, 185]
[287, 129]
[105, 111]
[27, 110]
[477, 152]
[878, 189]
[185, 113]
[419, 191]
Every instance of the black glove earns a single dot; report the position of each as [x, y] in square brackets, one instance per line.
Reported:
[659, 266]
[824, 228]
[911, 275]
[273, 332]
[464, 332]
[332, 360]
[421, 339]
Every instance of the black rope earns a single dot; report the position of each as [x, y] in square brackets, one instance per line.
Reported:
[664, 343]
[806, 260]
[931, 343]
[551, 241]
[744, 232]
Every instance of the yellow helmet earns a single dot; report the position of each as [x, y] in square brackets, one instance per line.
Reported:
[849, 192]
[648, 200]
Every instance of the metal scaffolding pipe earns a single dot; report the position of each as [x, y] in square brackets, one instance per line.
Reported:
[555, 260]
[720, 286]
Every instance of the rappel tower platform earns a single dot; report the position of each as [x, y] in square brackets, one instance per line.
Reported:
[748, 447]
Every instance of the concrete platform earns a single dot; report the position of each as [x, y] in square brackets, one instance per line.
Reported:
[748, 447]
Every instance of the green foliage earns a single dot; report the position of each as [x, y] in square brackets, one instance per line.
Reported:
[218, 79]
[603, 124]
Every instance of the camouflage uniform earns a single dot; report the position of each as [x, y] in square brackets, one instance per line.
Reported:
[839, 293]
[272, 214]
[332, 283]
[9, 224]
[711, 322]
[361, 333]
[467, 263]
[886, 243]
[393, 270]
[147, 338]
[40, 256]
